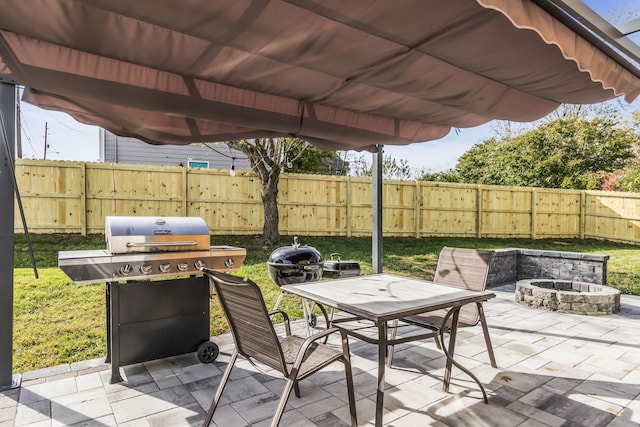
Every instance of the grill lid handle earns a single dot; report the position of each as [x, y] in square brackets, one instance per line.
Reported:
[152, 244]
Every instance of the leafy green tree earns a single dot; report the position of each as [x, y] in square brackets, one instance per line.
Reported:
[309, 159]
[450, 175]
[567, 152]
[627, 180]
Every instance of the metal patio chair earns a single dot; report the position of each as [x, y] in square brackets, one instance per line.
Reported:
[460, 268]
[293, 357]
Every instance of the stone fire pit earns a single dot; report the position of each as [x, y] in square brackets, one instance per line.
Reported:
[568, 296]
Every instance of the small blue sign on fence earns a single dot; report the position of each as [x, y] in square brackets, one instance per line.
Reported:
[202, 164]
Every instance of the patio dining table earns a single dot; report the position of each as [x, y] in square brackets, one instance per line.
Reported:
[380, 298]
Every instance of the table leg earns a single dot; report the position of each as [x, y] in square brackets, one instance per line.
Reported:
[452, 346]
[382, 363]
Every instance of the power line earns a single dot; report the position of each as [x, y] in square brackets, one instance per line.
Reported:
[27, 133]
[216, 151]
[25, 127]
[61, 123]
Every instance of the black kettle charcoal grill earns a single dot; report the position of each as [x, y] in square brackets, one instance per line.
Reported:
[295, 264]
[151, 311]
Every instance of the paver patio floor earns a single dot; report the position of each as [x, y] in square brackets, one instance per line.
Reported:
[554, 369]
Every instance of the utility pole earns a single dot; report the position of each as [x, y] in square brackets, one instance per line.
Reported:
[46, 130]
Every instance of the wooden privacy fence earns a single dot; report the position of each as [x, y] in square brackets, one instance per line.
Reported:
[75, 197]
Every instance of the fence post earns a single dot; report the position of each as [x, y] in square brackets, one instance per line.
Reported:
[534, 212]
[185, 191]
[479, 211]
[583, 213]
[83, 199]
[417, 200]
[348, 207]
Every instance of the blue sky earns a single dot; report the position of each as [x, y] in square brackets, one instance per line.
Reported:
[67, 138]
[70, 140]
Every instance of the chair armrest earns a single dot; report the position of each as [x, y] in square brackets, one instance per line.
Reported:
[310, 340]
[285, 316]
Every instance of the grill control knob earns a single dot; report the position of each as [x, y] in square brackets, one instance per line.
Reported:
[229, 263]
[165, 267]
[199, 264]
[183, 266]
[126, 269]
[146, 268]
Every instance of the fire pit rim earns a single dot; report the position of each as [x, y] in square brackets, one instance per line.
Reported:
[579, 298]
[584, 287]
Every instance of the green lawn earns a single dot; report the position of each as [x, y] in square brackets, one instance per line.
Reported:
[57, 321]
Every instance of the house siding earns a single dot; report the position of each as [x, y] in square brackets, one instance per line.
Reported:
[118, 149]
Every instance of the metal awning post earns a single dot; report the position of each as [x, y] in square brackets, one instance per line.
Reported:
[377, 210]
[7, 130]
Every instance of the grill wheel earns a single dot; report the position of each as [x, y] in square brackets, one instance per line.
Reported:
[207, 352]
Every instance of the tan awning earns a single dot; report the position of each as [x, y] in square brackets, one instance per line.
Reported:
[341, 74]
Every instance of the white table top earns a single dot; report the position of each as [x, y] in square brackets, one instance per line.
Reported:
[383, 297]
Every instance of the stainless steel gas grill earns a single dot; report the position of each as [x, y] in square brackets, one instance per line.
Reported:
[149, 248]
[157, 300]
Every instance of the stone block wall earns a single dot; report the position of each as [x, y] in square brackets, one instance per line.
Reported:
[504, 267]
[513, 264]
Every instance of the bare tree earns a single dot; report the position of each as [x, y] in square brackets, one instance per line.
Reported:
[268, 157]
[392, 168]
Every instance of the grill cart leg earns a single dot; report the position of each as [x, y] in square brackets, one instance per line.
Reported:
[114, 344]
[107, 359]
[311, 318]
[278, 301]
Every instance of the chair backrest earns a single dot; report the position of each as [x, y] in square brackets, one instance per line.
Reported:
[243, 306]
[466, 269]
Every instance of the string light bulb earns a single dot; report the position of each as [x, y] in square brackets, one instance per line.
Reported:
[232, 171]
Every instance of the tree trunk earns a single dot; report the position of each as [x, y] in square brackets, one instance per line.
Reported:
[270, 233]
[266, 156]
